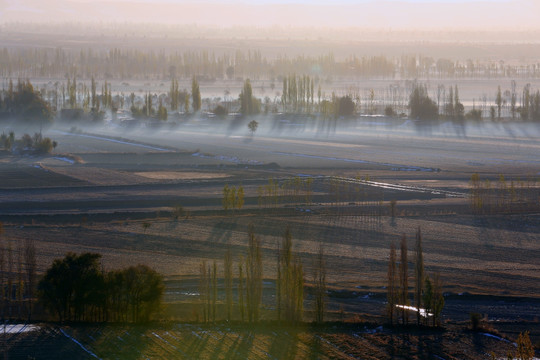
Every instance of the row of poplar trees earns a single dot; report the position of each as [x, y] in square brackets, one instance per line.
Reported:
[428, 297]
[249, 284]
[17, 278]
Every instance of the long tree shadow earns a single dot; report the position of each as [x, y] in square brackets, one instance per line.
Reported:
[222, 231]
[243, 349]
[197, 346]
[285, 345]
[315, 348]
[233, 348]
[216, 354]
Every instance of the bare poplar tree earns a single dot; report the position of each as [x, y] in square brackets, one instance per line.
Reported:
[278, 283]
[227, 269]
[203, 279]
[403, 279]
[438, 299]
[418, 274]
[299, 289]
[30, 262]
[391, 291]
[291, 280]
[9, 278]
[20, 281]
[208, 292]
[253, 276]
[2, 272]
[320, 286]
[241, 289]
[214, 290]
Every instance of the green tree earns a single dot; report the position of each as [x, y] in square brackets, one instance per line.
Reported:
[94, 95]
[421, 106]
[240, 197]
[513, 100]
[498, 102]
[525, 113]
[226, 197]
[345, 106]
[449, 107]
[232, 198]
[252, 126]
[28, 105]
[186, 103]
[174, 94]
[525, 350]
[195, 95]
[162, 111]
[144, 291]
[459, 109]
[249, 105]
[220, 111]
[68, 285]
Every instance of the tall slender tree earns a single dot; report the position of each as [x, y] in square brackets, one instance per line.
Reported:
[195, 95]
[203, 294]
[320, 286]
[291, 280]
[2, 272]
[403, 279]
[214, 290]
[228, 277]
[498, 101]
[418, 274]
[241, 305]
[391, 287]
[253, 276]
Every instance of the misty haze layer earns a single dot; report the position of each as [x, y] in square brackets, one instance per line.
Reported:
[397, 14]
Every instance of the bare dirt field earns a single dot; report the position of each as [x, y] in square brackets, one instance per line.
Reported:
[232, 341]
[488, 261]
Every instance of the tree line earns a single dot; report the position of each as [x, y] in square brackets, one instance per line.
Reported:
[248, 284]
[76, 289]
[503, 195]
[301, 94]
[507, 104]
[27, 144]
[428, 296]
[25, 103]
[18, 274]
[124, 64]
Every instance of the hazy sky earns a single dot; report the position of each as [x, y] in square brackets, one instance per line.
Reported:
[384, 14]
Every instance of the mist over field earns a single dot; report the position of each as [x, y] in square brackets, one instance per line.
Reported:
[270, 179]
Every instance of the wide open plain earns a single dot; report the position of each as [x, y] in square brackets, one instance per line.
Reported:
[113, 191]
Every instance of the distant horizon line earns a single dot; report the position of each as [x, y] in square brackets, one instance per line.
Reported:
[204, 26]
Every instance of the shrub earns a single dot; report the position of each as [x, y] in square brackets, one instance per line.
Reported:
[389, 111]
[45, 146]
[421, 106]
[476, 318]
[474, 114]
[220, 111]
